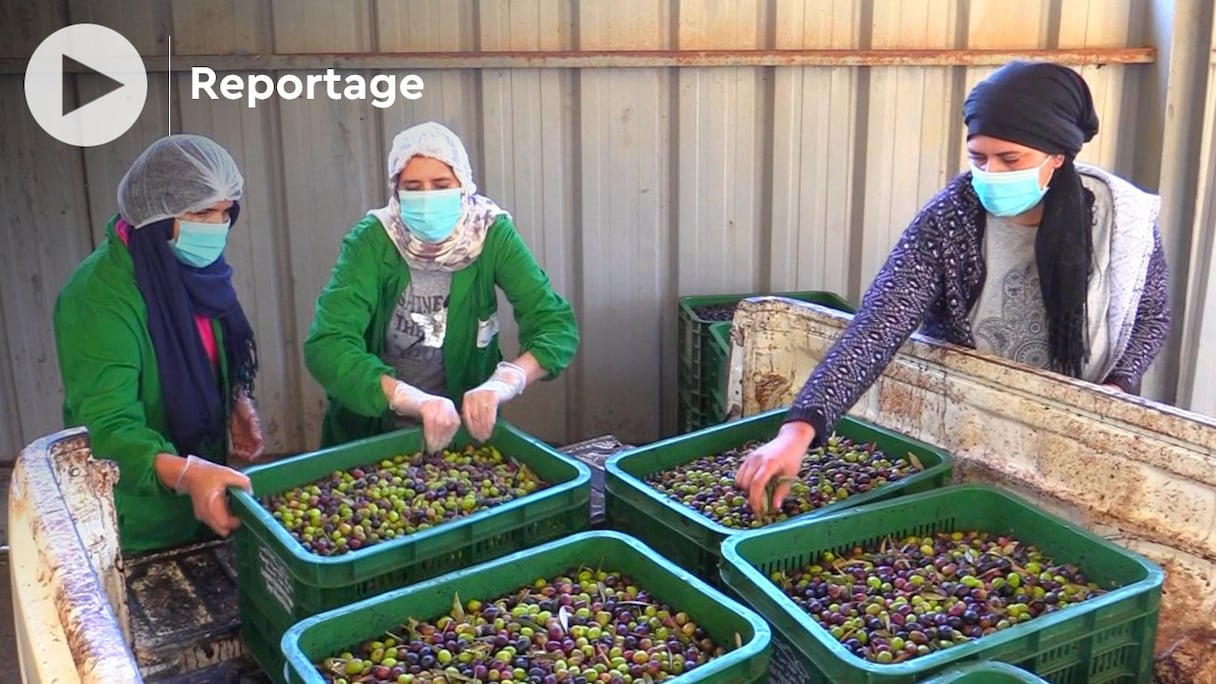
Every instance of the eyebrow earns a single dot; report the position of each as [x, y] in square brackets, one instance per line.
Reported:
[433, 179]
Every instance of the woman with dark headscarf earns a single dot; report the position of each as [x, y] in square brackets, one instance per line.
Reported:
[1030, 255]
[157, 356]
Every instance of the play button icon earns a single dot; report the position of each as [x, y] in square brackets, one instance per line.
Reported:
[108, 85]
[111, 85]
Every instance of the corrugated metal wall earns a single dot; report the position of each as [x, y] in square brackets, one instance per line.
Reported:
[633, 186]
[1196, 389]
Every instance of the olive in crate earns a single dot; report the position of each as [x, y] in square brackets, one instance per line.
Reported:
[914, 596]
[716, 312]
[585, 626]
[356, 508]
[833, 472]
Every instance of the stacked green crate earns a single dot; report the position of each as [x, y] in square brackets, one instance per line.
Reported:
[986, 673]
[281, 582]
[1104, 639]
[717, 371]
[744, 635]
[696, 316]
[692, 540]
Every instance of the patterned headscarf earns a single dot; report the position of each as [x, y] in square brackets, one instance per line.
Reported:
[463, 246]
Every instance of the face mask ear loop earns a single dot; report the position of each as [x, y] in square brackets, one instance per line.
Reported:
[1047, 186]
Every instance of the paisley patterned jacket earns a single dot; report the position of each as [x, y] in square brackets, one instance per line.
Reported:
[931, 279]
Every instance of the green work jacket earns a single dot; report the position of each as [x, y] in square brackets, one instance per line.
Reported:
[112, 387]
[347, 337]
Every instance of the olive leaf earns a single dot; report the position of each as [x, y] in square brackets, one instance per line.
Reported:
[768, 506]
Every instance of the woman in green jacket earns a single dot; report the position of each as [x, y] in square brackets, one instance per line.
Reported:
[157, 357]
[408, 322]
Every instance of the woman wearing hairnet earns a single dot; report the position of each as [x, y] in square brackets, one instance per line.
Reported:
[157, 357]
[1029, 256]
[408, 322]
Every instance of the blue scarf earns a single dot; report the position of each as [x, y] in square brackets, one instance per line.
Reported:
[173, 292]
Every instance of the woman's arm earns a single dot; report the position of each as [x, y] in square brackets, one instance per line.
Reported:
[894, 305]
[548, 331]
[1152, 324]
[336, 351]
[531, 367]
[99, 359]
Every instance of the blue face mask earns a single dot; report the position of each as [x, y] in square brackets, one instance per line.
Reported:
[199, 244]
[431, 215]
[1008, 193]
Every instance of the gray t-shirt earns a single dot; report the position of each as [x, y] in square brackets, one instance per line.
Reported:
[413, 345]
[1009, 318]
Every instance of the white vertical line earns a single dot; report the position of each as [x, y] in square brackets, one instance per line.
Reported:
[169, 83]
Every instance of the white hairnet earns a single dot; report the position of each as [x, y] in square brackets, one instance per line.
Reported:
[432, 140]
[176, 175]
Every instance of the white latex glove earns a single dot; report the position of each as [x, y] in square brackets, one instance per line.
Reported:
[480, 407]
[438, 414]
[207, 483]
[246, 430]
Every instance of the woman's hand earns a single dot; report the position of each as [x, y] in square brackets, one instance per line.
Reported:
[439, 422]
[246, 430]
[779, 458]
[207, 484]
[438, 414]
[480, 406]
[479, 410]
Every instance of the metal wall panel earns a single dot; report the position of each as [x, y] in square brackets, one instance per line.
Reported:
[814, 140]
[911, 127]
[721, 136]
[633, 186]
[1198, 362]
[626, 314]
[624, 254]
[528, 130]
[46, 232]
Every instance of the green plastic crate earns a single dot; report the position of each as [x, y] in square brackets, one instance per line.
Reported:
[285, 583]
[693, 540]
[986, 673]
[318, 637]
[258, 635]
[717, 356]
[692, 333]
[1106, 640]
